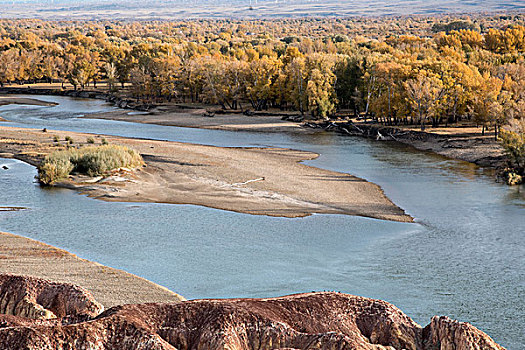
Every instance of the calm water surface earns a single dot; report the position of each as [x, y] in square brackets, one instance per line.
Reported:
[465, 256]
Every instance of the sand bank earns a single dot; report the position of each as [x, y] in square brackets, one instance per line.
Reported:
[7, 100]
[111, 287]
[464, 144]
[195, 118]
[262, 181]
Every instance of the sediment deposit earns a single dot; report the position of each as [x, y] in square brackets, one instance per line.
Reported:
[260, 181]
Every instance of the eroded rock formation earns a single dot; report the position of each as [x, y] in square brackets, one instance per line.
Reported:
[444, 333]
[302, 321]
[41, 299]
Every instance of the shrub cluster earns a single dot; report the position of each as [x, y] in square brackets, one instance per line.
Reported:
[91, 161]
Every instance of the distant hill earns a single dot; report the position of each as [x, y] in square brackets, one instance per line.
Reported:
[180, 9]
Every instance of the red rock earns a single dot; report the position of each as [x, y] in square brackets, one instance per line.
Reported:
[313, 320]
[41, 299]
[445, 334]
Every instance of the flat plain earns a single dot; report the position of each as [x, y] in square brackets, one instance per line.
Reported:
[246, 9]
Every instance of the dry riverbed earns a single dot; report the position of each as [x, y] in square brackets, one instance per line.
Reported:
[262, 181]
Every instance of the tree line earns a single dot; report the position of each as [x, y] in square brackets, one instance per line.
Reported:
[430, 72]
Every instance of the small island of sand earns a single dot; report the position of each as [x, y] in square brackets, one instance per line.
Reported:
[261, 181]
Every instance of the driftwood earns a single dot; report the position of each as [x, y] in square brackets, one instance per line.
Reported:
[380, 136]
[331, 125]
[293, 118]
[356, 127]
[370, 131]
[345, 130]
[397, 135]
[311, 125]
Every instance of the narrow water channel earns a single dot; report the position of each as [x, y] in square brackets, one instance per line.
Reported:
[464, 257]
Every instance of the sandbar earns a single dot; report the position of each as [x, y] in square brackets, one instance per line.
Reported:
[195, 118]
[261, 181]
[8, 100]
[110, 287]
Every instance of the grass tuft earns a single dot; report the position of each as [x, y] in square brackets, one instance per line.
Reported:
[91, 161]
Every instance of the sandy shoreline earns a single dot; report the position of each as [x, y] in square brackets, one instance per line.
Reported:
[457, 143]
[111, 287]
[4, 100]
[464, 144]
[470, 147]
[261, 181]
[194, 118]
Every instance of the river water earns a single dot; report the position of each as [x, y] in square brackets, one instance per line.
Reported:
[464, 257]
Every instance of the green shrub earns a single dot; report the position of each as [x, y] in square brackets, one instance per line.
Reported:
[56, 139]
[104, 141]
[56, 166]
[90, 140]
[69, 139]
[91, 161]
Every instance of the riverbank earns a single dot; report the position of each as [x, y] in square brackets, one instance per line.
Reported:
[260, 181]
[4, 100]
[7, 100]
[111, 287]
[463, 143]
[326, 320]
[193, 116]
[200, 118]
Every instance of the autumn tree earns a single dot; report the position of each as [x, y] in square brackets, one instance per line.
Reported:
[485, 103]
[259, 81]
[8, 66]
[424, 92]
[320, 90]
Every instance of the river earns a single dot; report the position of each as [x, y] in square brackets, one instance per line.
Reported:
[464, 257]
